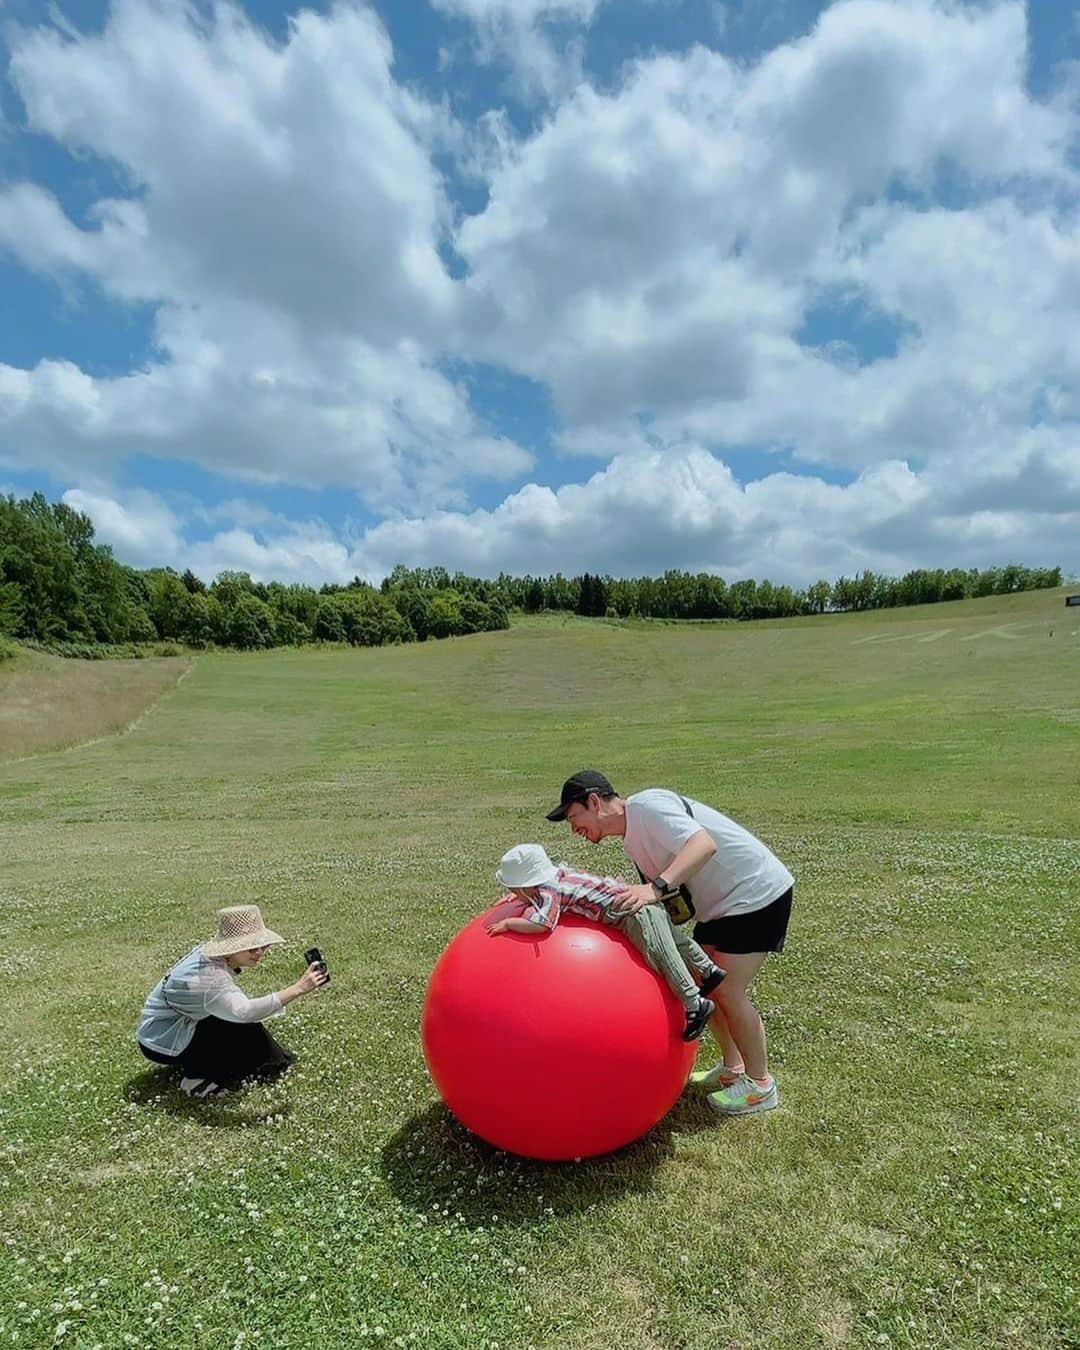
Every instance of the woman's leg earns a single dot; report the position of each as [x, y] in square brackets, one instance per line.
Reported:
[226, 1052]
[742, 1034]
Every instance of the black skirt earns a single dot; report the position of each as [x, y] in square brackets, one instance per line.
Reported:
[227, 1052]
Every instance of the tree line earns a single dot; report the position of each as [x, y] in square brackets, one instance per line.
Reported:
[703, 595]
[58, 587]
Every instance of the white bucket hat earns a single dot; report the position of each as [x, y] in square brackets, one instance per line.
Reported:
[526, 865]
[240, 927]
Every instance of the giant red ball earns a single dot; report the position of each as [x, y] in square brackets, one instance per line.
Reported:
[554, 1046]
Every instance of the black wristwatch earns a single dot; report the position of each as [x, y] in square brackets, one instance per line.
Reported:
[661, 885]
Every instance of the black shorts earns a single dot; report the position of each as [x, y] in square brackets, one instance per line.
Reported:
[762, 930]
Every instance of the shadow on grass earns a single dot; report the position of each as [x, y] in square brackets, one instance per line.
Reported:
[160, 1089]
[436, 1166]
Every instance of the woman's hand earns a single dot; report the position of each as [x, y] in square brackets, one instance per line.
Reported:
[313, 978]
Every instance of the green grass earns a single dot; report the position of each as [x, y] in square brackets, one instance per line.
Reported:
[917, 1188]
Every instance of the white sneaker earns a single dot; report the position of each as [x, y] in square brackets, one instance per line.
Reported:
[719, 1076]
[200, 1088]
[744, 1098]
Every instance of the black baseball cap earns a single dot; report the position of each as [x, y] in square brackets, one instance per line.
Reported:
[578, 788]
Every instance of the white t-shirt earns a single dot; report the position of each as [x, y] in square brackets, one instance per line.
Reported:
[742, 876]
[198, 986]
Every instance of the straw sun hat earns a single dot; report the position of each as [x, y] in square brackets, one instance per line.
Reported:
[240, 927]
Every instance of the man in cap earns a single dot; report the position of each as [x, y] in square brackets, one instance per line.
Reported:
[700, 863]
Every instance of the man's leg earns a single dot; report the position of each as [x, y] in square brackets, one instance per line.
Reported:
[729, 1051]
[742, 1035]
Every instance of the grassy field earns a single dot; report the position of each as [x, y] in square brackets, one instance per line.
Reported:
[47, 702]
[918, 771]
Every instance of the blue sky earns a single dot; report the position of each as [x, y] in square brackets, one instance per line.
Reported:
[780, 290]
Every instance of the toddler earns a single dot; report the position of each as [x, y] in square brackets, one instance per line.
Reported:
[528, 872]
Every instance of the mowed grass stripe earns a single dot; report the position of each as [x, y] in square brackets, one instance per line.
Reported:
[918, 1186]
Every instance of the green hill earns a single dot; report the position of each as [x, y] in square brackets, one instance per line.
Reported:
[916, 769]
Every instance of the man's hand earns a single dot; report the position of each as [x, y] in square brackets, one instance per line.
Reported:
[634, 898]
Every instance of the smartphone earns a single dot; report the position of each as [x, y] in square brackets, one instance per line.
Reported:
[315, 957]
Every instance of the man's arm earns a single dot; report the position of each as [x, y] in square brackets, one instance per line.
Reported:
[689, 860]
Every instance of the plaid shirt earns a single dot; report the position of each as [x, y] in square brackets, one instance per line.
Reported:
[580, 893]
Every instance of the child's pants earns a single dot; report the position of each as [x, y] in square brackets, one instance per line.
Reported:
[669, 950]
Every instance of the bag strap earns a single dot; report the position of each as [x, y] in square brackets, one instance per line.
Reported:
[686, 808]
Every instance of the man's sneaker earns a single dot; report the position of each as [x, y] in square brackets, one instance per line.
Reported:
[697, 1018]
[709, 983]
[744, 1098]
[719, 1076]
[188, 1086]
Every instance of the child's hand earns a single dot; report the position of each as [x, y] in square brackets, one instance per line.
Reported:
[499, 926]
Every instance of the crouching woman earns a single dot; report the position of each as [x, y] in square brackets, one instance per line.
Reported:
[196, 1019]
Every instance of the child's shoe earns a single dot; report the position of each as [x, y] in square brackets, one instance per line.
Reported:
[697, 1018]
[744, 1098]
[708, 984]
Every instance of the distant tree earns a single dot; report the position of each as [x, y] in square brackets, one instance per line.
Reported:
[330, 621]
[444, 614]
[249, 623]
[742, 596]
[10, 608]
[228, 587]
[204, 620]
[818, 595]
[362, 617]
[169, 601]
[534, 596]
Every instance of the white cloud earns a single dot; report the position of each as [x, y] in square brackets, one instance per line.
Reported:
[304, 552]
[290, 236]
[142, 530]
[145, 531]
[644, 512]
[684, 507]
[517, 33]
[650, 255]
[655, 251]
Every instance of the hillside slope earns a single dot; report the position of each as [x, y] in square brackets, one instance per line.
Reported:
[47, 702]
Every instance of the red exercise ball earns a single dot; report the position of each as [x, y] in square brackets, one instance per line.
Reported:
[563, 1045]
